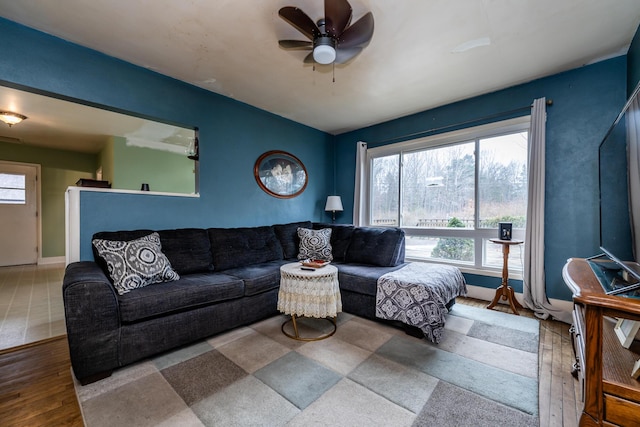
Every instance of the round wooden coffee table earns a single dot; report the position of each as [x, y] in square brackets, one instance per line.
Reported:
[309, 293]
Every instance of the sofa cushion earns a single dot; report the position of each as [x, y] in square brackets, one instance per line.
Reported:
[315, 244]
[340, 238]
[258, 278]
[362, 278]
[376, 246]
[188, 249]
[190, 291]
[288, 236]
[237, 247]
[135, 263]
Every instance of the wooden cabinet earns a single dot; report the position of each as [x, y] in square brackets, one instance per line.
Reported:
[611, 397]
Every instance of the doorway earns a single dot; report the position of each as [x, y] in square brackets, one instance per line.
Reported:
[18, 214]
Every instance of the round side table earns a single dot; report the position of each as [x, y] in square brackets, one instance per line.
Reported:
[309, 293]
[505, 291]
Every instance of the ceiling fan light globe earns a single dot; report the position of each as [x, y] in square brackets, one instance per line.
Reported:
[324, 54]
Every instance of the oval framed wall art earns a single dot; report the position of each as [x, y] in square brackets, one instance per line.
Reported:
[280, 174]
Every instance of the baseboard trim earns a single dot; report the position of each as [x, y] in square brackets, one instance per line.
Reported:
[487, 294]
[51, 260]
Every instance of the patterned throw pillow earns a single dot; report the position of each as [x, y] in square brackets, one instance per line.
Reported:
[315, 244]
[136, 263]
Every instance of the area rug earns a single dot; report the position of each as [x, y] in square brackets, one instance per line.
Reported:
[483, 373]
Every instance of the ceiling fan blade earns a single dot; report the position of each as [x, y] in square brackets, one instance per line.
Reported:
[300, 21]
[309, 59]
[345, 55]
[295, 44]
[359, 34]
[337, 15]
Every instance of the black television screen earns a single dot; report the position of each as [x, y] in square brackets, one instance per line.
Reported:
[615, 220]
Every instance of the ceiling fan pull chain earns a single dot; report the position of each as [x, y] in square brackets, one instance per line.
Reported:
[334, 71]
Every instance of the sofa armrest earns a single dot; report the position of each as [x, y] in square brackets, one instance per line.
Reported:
[92, 318]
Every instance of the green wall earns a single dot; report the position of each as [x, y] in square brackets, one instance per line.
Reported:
[59, 170]
[162, 170]
[105, 160]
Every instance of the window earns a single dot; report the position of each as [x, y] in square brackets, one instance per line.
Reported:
[449, 192]
[12, 189]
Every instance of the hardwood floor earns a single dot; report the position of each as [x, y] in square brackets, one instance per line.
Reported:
[36, 388]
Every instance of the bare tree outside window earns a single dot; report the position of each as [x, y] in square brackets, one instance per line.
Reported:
[503, 180]
[385, 183]
[437, 185]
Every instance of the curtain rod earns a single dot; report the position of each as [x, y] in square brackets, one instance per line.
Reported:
[549, 102]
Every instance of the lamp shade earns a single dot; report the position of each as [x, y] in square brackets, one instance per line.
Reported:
[334, 203]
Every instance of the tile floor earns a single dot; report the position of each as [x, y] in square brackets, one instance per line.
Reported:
[31, 307]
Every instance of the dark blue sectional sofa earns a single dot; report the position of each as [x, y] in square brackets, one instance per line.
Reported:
[228, 277]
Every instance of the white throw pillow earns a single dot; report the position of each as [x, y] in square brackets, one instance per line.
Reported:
[136, 263]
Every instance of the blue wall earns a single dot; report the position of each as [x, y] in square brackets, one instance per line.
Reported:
[586, 101]
[232, 136]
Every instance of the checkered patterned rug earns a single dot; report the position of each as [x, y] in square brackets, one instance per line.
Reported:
[484, 372]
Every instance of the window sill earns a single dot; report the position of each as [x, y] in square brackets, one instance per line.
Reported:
[469, 269]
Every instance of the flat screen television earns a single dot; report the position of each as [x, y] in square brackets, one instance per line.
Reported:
[615, 275]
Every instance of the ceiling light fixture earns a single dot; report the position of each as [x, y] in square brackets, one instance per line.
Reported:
[324, 51]
[11, 118]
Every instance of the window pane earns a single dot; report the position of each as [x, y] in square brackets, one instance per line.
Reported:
[493, 256]
[503, 180]
[443, 248]
[438, 187]
[12, 189]
[385, 173]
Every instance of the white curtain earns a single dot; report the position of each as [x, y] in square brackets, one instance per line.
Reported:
[534, 287]
[633, 138]
[359, 192]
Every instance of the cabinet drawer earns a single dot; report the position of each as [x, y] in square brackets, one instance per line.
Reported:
[620, 411]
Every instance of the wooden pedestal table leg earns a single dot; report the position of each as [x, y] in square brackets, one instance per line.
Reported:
[505, 291]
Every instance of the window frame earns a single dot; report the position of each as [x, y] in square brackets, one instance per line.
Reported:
[479, 235]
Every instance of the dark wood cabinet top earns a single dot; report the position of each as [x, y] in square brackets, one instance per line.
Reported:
[586, 289]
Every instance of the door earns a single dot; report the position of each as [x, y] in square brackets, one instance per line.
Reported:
[18, 214]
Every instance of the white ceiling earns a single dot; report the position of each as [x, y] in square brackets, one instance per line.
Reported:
[422, 54]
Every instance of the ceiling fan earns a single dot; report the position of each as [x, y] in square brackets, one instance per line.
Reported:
[332, 39]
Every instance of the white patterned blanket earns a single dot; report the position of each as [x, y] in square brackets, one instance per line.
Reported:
[416, 295]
